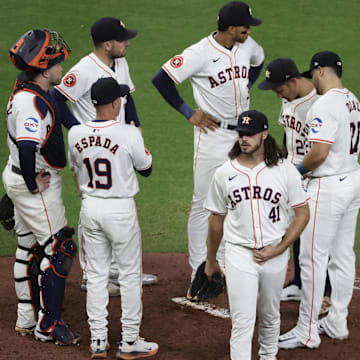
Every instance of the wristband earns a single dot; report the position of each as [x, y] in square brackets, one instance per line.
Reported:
[302, 169]
[186, 110]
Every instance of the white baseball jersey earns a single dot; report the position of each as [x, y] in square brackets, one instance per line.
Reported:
[255, 201]
[25, 122]
[293, 118]
[335, 119]
[219, 76]
[76, 84]
[104, 155]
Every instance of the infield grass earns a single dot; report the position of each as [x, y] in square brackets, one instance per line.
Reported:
[289, 29]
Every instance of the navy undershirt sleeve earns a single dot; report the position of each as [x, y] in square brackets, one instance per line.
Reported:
[254, 74]
[168, 90]
[67, 117]
[130, 112]
[27, 150]
[146, 172]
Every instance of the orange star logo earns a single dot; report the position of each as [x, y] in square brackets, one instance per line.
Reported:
[246, 120]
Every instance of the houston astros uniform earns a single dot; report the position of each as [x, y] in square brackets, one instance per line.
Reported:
[219, 78]
[293, 118]
[334, 189]
[255, 202]
[104, 156]
[77, 82]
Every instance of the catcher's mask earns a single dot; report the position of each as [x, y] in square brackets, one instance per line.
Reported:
[38, 50]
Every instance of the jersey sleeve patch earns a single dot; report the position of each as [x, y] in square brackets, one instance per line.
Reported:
[69, 80]
[176, 61]
[316, 125]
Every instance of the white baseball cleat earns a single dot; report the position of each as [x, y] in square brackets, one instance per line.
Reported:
[113, 289]
[148, 279]
[24, 331]
[99, 348]
[289, 341]
[291, 292]
[139, 349]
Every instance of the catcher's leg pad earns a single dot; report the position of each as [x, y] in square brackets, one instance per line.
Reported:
[202, 288]
[26, 270]
[60, 251]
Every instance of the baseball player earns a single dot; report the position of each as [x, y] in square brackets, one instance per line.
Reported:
[31, 178]
[104, 155]
[333, 169]
[297, 96]
[249, 198]
[111, 39]
[221, 67]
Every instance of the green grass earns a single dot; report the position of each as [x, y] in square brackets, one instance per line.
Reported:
[289, 29]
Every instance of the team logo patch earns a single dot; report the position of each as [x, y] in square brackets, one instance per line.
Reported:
[147, 151]
[176, 61]
[69, 80]
[246, 120]
[267, 74]
[31, 124]
[316, 125]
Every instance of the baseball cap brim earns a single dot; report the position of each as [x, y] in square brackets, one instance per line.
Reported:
[127, 35]
[253, 22]
[246, 129]
[307, 74]
[269, 85]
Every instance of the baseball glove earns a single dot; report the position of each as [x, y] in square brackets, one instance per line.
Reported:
[202, 288]
[7, 213]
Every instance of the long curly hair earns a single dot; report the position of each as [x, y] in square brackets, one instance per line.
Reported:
[272, 151]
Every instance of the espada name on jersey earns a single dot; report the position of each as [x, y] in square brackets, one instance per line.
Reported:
[92, 141]
[253, 193]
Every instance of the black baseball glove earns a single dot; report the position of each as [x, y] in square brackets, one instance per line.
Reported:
[202, 288]
[7, 213]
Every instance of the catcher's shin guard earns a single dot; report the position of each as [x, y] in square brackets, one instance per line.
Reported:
[26, 271]
[60, 250]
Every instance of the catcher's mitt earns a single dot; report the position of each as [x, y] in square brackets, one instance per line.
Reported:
[202, 288]
[7, 213]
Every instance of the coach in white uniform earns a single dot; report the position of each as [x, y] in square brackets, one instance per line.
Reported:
[249, 198]
[221, 67]
[104, 155]
[334, 189]
[111, 39]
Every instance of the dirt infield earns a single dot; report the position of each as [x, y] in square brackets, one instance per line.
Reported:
[182, 333]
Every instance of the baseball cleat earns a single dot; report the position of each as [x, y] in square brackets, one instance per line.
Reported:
[191, 298]
[290, 292]
[322, 331]
[24, 331]
[99, 348]
[139, 349]
[113, 289]
[289, 341]
[148, 279]
[84, 284]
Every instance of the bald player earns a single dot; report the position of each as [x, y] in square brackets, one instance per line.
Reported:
[334, 187]
[249, 200]
[104, 155]
[221, 68]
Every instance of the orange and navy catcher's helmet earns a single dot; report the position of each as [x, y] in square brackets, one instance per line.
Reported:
[38, 50]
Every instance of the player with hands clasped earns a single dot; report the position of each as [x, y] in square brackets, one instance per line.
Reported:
[108, 59]
[221, 68]
[248, 200]
[104, 155]
[32, 180]
[333, 169]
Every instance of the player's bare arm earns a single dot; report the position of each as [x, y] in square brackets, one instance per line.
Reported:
[316, 156]
[216, 223]
[203, 121]
[302, 216]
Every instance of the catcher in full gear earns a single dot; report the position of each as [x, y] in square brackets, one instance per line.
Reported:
[32, 181]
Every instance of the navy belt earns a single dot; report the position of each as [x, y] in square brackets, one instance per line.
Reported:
[16, 170]
[229, 127]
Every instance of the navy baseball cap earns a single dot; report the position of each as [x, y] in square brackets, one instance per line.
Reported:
[277, 72]
[236, 13]
[252, 121]
[106, 90]
[323, 59]
[109, 28]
